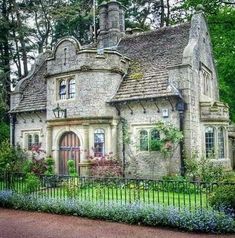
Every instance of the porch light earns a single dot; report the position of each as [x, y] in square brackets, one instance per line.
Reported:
[59, 112]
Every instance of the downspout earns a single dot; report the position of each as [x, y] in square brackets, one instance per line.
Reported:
[182, 162]
[13, 123]
[181, 106]
[123, 148]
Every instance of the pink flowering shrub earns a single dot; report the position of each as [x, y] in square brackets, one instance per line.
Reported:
[105, 166]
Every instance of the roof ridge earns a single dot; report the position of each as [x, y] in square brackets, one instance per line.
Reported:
[160, 29]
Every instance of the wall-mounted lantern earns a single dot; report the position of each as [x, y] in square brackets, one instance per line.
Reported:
[181, 106]
[59, 112]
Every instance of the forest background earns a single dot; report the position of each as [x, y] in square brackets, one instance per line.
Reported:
[29, 27]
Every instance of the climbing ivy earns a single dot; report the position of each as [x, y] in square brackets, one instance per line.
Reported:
[170, 136]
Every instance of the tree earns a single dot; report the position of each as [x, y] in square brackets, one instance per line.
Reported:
[222, 28]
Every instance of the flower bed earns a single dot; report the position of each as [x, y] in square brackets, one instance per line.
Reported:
[202, 220]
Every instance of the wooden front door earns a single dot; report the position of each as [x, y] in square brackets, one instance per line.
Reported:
[69, 149]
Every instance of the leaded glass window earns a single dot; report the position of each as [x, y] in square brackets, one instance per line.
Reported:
[30, 142]
[143, 140]
[221, 143]
[62, 90]
[210, 141]
[71, 93]
[36, 139]
[154, 140]
[99, 142]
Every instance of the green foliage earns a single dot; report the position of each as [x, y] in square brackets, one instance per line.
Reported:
[71, 168]
[170, 136]
[229, 177]
[32, 183]
[72, 186]
[35, 166]
[223, 197]
[50, 164]
[11, 159]
[4, 131]
[203, 169]
[222, 29]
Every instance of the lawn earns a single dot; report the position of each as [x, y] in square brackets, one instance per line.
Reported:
[179, 195]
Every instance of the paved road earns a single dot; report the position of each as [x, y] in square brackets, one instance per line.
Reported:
[21, 224]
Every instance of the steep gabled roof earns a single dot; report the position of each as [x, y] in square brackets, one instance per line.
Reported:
[33, 90]
[151, 53]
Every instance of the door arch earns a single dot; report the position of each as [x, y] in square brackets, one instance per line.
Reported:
[69, 148]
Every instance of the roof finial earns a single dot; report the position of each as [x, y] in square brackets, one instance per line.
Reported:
[200, 8]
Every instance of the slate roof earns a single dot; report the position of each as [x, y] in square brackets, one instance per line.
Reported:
[34, 93]
[151, 53]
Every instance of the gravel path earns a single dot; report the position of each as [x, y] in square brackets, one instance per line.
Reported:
[21, 224]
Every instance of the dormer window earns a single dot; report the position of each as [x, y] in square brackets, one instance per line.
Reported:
[67, 88]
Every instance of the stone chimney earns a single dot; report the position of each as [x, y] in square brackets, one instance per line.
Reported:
[111, 24]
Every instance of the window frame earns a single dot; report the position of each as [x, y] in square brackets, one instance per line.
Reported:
[149, 138]
[29, 141]
[33, 141]
[209, 141]
[62, 96]
[144, 139]
[221, 144]
[70, 88]
[207, 81]
[217, 153]
[99, 131]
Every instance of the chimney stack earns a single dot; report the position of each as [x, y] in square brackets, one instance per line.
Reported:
[111, 24]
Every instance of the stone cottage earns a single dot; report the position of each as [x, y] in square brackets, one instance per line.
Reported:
[76, 99]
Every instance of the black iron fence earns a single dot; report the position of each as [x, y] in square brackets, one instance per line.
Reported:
[179, 194]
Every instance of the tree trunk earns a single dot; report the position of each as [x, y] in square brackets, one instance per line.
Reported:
[162, 14]
[21, 38]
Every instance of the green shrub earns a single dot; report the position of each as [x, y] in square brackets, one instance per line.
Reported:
[11, 158]
[72, 186]
[32, 183]
[229, 177]
[50, 166]
[203, 169]
[71, 168]
[223, 196]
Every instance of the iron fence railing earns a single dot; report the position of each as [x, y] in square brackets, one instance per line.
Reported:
[179, 194]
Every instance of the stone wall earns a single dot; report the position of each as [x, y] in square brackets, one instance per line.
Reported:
[197, 58]
[142, 163]
[30, 123]
[97, 78]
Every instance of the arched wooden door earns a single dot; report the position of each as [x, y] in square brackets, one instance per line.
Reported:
[69, 149]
